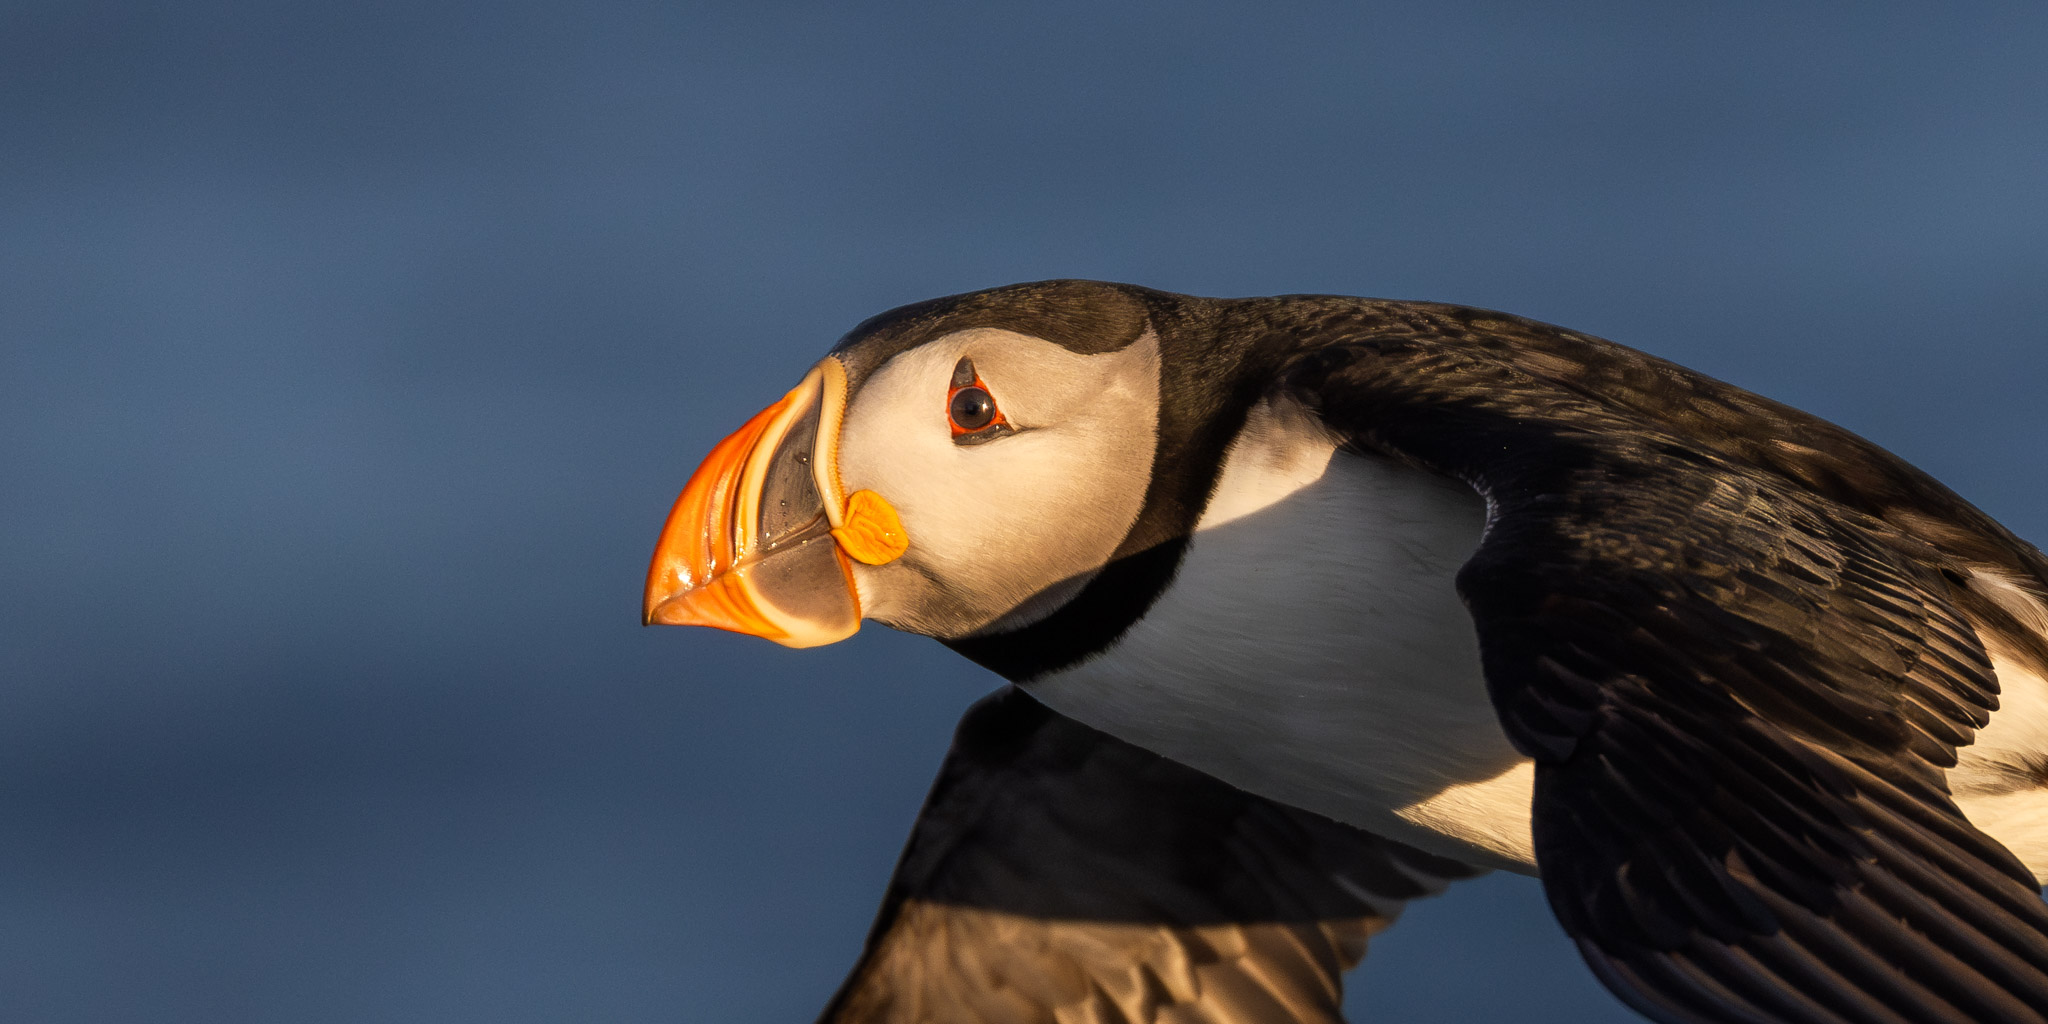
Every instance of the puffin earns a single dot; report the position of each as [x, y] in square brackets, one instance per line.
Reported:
[1763, 706]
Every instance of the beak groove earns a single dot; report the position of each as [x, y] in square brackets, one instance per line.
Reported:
[699, 543]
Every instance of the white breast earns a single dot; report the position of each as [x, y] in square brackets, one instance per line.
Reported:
[1313, 649]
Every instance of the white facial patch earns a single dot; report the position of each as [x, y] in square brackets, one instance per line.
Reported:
[993, 525]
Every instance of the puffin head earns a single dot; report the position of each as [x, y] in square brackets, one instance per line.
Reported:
[952, 468]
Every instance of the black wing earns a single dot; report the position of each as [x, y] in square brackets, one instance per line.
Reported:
[1057, 873]
[1732, 638]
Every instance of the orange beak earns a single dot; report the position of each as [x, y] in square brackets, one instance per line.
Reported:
[758, 541]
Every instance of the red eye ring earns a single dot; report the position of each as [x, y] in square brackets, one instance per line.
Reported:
[976, 405]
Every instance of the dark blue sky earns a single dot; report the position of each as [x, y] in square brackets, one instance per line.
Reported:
[349, 360]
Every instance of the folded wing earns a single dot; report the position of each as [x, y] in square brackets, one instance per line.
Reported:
[1734, 640]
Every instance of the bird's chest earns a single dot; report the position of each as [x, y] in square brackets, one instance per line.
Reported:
[1312, 649]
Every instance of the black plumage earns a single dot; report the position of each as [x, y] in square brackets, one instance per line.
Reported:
[1058, 873]
[1739, 676]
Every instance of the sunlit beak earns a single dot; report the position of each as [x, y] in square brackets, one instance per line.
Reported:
[759, 540]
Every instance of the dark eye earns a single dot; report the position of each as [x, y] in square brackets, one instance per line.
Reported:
[972, 409]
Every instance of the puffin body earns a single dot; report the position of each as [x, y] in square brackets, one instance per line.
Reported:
[1252, 665]
[1765, 707]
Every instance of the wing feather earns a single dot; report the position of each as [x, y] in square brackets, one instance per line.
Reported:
[1739, 654]
[1059, 875]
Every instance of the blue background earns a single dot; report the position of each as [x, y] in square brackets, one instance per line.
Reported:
[350, 358]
